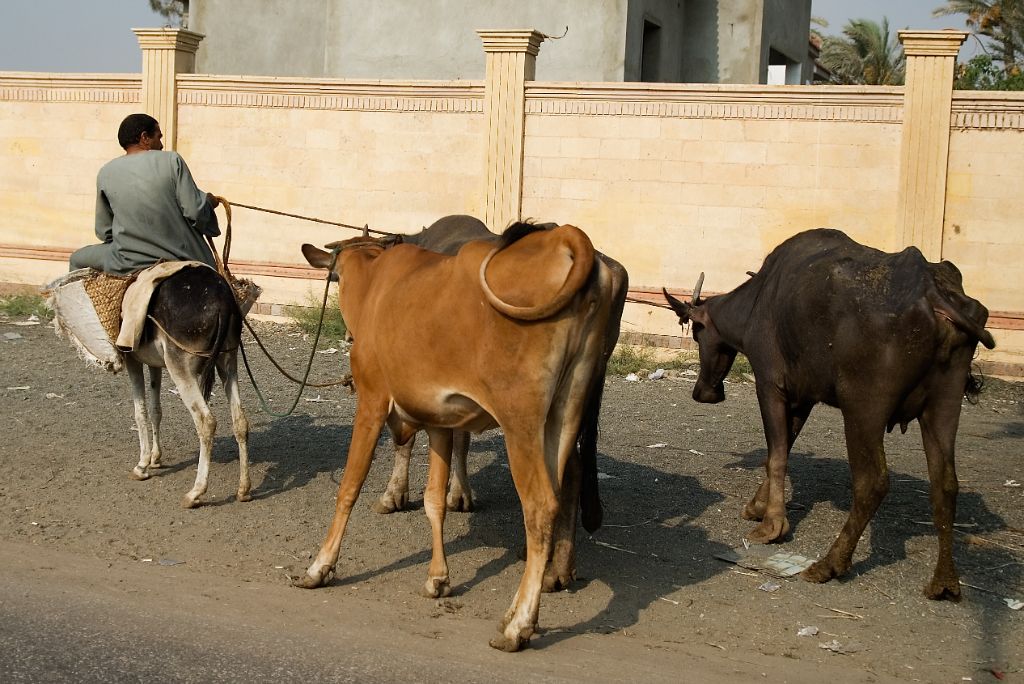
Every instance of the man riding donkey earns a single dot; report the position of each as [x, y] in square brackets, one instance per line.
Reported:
[181, 310]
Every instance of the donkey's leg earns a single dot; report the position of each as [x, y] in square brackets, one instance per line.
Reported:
[437, 583]
[156, 376]
[396, 495]
[227, 368]
[138, 383]
[184, 370]
[371, 413]
[460, 496]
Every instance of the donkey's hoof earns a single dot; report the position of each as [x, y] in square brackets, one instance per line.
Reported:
[155, 465]
[138, 474]
[243, 496]
[188, 501]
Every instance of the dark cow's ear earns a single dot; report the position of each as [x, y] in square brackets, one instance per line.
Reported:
[317, 258]
[699, 314]
[681, 308]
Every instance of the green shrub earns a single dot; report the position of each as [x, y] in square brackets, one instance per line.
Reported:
[25, 305]
[307, 315]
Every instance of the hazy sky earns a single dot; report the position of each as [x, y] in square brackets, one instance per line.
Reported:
[96, 36]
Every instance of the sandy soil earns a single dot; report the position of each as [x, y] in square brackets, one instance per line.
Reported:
[649, 582]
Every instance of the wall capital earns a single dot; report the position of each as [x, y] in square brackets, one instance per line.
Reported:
[168, 39]
[932, 43]
[514, 40]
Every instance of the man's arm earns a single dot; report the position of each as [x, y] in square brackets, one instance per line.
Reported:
[196, 206]
[104, 217]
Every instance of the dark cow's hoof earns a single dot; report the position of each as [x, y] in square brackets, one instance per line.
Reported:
[943, 589]
[754, 510]
[770, 529]
[389, 503]
[824, 570]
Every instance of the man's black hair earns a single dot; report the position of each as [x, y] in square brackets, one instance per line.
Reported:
[132, 128]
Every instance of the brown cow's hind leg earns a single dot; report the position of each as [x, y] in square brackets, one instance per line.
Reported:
[537, 496]
[396, 495]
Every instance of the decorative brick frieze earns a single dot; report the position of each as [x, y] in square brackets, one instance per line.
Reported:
[99, 88]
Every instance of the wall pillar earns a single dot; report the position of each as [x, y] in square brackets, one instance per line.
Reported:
[165, 54]
[511, 61]
[927, 104]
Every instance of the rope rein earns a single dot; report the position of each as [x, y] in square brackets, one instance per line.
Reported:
[222, 268]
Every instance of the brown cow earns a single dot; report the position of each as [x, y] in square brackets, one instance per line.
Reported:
[510, 335]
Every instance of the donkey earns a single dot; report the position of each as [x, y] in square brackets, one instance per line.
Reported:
[194, 326]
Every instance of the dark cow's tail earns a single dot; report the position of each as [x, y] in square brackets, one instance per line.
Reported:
[591, 513]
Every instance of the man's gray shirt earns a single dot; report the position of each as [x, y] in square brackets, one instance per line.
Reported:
[149, 209]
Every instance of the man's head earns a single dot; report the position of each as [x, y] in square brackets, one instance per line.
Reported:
[140, 132]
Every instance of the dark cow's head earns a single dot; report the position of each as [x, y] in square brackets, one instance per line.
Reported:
[716, 357]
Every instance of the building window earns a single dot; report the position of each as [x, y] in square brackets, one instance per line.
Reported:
[782, 70]
[650, 53]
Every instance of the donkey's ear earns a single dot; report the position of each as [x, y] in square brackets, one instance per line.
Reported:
[317, 258]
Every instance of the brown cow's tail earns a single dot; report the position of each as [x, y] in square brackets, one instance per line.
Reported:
[582, 264]
[591, 513]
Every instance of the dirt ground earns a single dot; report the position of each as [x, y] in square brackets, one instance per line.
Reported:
[674, 477]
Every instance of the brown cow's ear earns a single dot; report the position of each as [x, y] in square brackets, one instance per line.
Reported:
[681, 308]
[317, 258]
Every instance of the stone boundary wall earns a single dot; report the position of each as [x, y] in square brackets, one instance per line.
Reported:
[669, 179]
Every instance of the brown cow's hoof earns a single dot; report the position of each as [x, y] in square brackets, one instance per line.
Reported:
[503, 643]
[138, 474]
[948, 589]
[389, 503]
[769, 530]
[308, 581]
[437, 587]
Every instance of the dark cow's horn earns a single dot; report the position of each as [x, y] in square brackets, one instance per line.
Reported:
[366, 230]
[695, 299]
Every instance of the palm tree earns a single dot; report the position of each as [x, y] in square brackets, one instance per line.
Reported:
[866, 54]
[1001, 21]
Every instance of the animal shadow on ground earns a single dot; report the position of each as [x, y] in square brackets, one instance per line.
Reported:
[647, 548]
[294, 450]
[904, 514]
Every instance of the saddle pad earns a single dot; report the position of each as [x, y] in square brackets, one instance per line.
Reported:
[135, 306]
[76, 319]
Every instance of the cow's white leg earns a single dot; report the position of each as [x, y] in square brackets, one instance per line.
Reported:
[138, 383]
[437, 583]
[156, 376]
[396, 495]
[227, 368]
[186, 377]
[460, 496]
[371, 412]
[540, 505]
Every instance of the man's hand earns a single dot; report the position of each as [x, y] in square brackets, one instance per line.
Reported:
[214, 202]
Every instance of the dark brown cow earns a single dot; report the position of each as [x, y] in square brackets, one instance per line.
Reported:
[886, 338]
[512, 335]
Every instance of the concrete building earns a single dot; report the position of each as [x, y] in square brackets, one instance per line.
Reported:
[673, 41]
